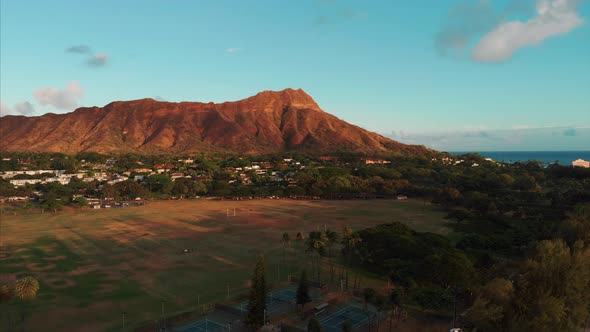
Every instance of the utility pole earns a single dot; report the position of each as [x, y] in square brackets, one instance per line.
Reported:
[124, 320]
[163, 325]
[454, 306]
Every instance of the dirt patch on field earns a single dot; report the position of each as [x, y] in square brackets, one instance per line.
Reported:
[55, 258]
[254, 219]
[39, 267]
[60, 319]
[84, 270]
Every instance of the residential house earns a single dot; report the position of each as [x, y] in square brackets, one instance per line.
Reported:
[177, 175]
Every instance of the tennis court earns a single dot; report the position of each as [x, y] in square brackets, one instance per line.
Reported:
[277, 302]
[203, 325]
[357, 317]
[285, 295]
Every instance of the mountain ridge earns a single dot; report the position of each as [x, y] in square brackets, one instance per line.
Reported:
[268, 122]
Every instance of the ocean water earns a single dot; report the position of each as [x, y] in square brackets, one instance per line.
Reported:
[546, 157]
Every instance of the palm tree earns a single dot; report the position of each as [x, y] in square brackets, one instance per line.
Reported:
[331, 238]
[380, 304]
[316, 243]
[350, 240]
[26, 288]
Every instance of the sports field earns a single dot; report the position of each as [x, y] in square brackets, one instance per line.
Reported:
[93, 265]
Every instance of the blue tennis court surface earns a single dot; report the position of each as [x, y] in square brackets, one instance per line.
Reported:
[285, 295]
[357, 317]
[203, 325]
[277, 302]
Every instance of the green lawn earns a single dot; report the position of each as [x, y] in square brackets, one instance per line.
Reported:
[95, 264]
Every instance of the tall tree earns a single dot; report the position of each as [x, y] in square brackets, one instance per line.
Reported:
[368, 295]
[554, 290]
[303, 290]
[26, 289]
[314, 325]
[346, 326]
[331, 238]
[350, 240]
[257, 301]
[286, 242]
[316, 243]
[381, 304]
[552, 293]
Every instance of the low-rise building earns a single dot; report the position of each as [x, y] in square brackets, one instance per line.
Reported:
[177, 175]
[371, 161]
[581, 163]
[142, 170]
[11, 174]
[24, 182]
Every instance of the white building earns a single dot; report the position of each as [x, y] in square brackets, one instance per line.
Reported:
[581, 163]
[117, 180]
[11, 174]
[24, 182]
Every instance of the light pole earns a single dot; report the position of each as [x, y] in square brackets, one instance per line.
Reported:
[454, 307]
[163, 321]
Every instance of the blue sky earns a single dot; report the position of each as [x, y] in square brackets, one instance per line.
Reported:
[454, 75]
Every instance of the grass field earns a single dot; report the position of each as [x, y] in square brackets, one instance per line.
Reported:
[95, 264]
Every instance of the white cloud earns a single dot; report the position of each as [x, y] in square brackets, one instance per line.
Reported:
[518, 127]
[4, 110]
[66, 99]
[24, 108]
[233, 50]
[510, 139]
[98, 60]
[555, 17]
[80, 49]
[94, 60]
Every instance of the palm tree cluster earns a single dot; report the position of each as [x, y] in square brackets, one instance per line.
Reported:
[320, 244]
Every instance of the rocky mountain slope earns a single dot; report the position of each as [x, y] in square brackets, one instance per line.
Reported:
[271, 121]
